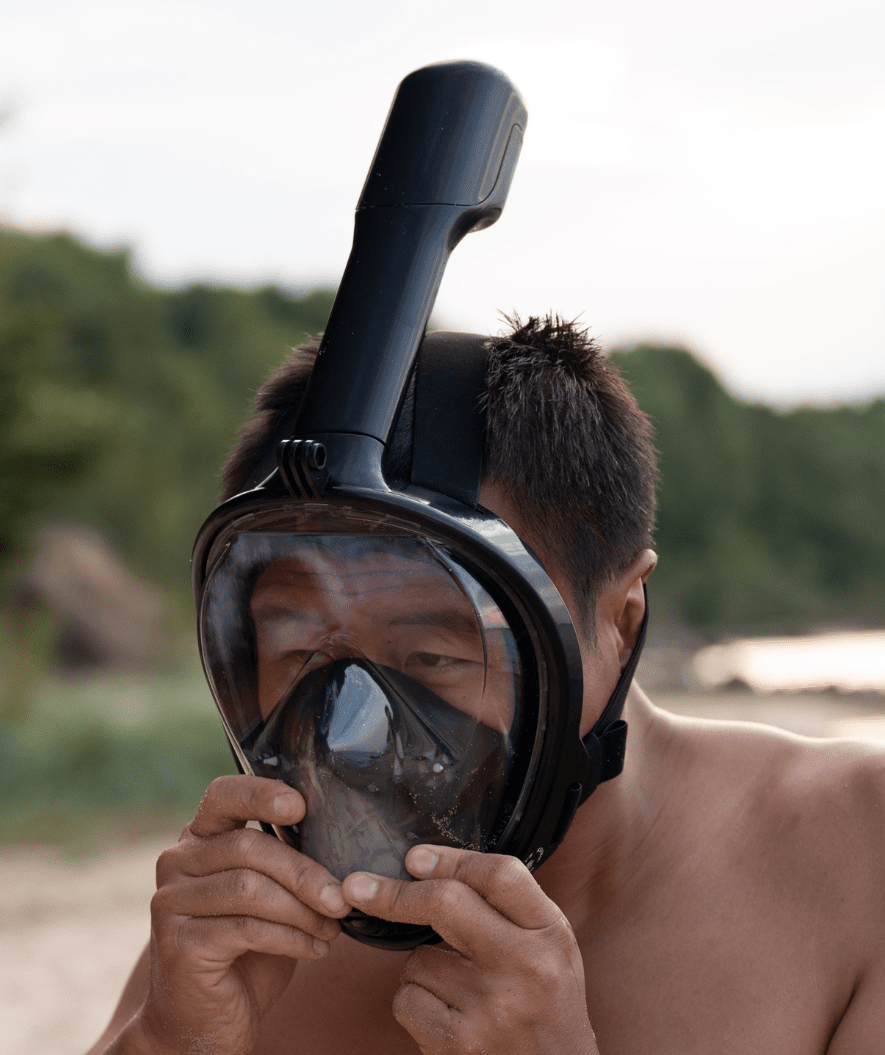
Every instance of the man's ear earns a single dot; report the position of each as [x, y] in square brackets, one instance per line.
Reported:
[631, 601]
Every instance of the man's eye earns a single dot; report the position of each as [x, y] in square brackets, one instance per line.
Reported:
[302, 658]
[430, 659]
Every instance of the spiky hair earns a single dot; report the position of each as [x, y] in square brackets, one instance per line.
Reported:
[564, 439]
[567, 441]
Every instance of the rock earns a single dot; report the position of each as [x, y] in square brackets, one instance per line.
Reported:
[107, 617]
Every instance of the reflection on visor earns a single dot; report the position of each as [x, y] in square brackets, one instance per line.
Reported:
[375, 675]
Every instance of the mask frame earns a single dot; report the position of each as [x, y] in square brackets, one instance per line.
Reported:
[538, 814]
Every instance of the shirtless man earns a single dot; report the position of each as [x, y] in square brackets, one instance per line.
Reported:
[725, 893]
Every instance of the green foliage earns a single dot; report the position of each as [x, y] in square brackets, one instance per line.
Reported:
[51, 425]
[117, 743]
[766, 519]
[119, 401]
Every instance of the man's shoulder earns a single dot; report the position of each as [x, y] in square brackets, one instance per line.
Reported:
[839, 779]
[832, 793]
[760, 874]
[813, 810]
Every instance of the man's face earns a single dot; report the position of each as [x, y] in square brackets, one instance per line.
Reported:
[397, 610]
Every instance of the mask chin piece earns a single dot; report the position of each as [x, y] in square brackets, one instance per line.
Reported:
[381, 934]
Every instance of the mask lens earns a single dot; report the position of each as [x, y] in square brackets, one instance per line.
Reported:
[376, 675]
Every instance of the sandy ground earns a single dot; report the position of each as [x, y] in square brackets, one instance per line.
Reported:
[70, 930]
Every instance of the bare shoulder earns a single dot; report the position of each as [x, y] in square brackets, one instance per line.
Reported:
[806, 838]
[832, 795]
[820, 801]
[833, 792]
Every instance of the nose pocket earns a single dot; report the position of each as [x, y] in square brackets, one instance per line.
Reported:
[366, 742]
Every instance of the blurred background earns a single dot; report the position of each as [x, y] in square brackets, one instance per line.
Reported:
[702, 185]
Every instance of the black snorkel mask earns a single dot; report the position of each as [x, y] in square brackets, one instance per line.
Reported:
[389, 647]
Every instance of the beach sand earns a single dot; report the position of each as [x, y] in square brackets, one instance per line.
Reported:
[71, 929]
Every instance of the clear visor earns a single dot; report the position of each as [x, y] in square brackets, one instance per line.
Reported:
[376, 675]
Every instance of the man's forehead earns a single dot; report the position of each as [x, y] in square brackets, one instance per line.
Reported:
[355, 568]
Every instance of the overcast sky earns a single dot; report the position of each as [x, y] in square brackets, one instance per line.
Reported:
[694, 172]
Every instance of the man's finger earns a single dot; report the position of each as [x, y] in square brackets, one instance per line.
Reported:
[432, 1024]
[503, 882]
[230, 802]
[241, 892]
[459, 915]
[443, 972]
[218, 941]
[257, 852]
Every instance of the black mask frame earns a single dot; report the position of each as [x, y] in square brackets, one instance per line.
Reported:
[442, 168]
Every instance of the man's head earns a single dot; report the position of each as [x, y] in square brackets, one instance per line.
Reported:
[565, 443]
[353, 626]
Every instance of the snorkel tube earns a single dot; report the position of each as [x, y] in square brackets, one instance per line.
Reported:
[442, 168]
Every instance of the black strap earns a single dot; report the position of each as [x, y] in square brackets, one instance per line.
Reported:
[606, 743]
[449, 419]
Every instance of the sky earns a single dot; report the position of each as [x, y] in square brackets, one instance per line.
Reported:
[697, 173]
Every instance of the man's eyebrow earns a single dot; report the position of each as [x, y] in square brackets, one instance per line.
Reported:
[452, 619]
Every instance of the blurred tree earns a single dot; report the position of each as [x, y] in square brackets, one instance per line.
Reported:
[766, 519]
[51, 427]
[128, 396]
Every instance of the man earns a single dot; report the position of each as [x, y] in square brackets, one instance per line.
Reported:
[724, 893]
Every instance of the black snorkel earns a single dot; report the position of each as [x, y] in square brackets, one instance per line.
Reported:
[442, 168]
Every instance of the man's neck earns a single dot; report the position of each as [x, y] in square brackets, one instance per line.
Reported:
[614, 829]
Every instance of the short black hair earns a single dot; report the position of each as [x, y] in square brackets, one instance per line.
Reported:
[565, 440]
[572, 450]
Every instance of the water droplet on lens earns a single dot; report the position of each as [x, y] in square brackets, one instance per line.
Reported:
[372, 789]
[437, 767]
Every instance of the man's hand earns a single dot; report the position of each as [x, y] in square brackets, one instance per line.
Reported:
[512, 982]
[235, 909]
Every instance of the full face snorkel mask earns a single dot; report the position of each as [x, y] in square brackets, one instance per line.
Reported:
[390, 648]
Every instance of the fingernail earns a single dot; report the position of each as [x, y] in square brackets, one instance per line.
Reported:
[320, 948]
[361, 887]
[422, 861]
[331, 897]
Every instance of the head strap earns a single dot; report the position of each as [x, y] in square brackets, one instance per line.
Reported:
[607, 741]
